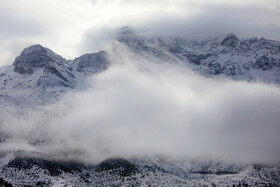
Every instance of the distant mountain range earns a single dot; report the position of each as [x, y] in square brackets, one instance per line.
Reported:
[251, 59]
[39, 77]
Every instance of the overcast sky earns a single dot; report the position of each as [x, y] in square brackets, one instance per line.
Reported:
[73, 27]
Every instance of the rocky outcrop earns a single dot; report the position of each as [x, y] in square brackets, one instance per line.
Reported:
[34, 57]
[230, 41]
[92, 63]
[117, 166]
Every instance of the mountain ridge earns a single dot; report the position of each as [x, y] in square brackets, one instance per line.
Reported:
[49, 75]
[40, 77]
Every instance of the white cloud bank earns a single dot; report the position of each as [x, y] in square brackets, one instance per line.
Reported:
[139, 108]
[74, 27]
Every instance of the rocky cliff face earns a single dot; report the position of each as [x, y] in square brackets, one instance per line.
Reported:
[35, 57]
[91, 63]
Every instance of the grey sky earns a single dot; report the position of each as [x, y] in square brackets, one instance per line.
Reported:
[74, 27]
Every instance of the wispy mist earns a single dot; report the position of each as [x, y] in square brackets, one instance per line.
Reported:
[141, 108]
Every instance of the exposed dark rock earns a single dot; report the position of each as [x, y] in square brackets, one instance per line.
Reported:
[196, 58]
[42, 183]
[4, 183]
[53, 70]
[54, 168]
[206, 172]
[264, 63]
[230, 41]
[118, 166]
[51, 81]
[92, 63]
[33, 57]
[216, 68]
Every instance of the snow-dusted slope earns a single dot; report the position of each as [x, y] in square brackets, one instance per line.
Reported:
[250, 59]
[20, 170]
[39, 76]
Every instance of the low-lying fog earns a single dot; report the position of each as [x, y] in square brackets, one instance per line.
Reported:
[141, 108]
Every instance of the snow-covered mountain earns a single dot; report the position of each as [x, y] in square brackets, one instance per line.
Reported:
[252, 59]
[39, 77]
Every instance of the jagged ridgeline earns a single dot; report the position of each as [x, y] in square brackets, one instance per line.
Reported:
[39, 75]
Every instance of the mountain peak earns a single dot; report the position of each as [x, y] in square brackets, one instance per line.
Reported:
[35, 47]
[126, 30]
[230, 40]
[35, 56]
[126, 33]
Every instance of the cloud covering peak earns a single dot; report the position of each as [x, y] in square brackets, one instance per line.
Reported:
[73, 27]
